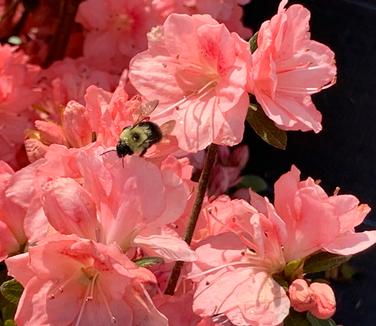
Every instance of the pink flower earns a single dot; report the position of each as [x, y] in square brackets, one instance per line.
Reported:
[116, 29]
[17, 94]
[234, 270]
[201, 86]
[10, 237]
[68, 80]
[288, 67]
[317, 298]
[228, 12]
[127, 205]
[302, 204]
[71, 281]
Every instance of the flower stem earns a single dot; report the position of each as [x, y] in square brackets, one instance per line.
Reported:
[58, 45]
[201, 190]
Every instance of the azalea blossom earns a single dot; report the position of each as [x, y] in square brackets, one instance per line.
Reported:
[17, 93]
[197, 70]
[317, 298]
[100, 119]
[228, 12]
[288, 67]
[116, 30]
[72, 281]
[113, 205]
[235, 269]
[11, 231]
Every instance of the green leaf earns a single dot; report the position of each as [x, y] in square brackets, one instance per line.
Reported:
[323, 261]
[11, 290]
[293, 267]
[10, 322]
[253, 42]
[255, 182]
[320, 322]
[265, 128]
[9, 311]
[148, 261]
[296, 319]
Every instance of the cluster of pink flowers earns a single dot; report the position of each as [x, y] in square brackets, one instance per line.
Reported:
[93, 234]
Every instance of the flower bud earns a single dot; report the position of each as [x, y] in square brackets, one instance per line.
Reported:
[325, 306]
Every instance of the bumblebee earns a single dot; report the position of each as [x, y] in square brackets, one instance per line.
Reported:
[139, 137]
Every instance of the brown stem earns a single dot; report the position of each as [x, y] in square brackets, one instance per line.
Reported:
[202, 185]
[59, 42]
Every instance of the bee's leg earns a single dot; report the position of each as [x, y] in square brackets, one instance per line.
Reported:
[143, 152]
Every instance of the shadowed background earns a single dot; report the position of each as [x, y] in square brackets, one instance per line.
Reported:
[344, 153]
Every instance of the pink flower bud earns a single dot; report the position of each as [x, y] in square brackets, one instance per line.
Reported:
[325, 306]
[301, 296]
[317, 298]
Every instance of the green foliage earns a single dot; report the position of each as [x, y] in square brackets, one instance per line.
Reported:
[255, 182]
[11, 290]
[296, 319]
[265, 128]
[148, 261]
[305, 319]
[320, 322]
[253, 42]
[323, 261]
[293, 268]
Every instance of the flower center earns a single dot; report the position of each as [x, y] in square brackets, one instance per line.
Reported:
[122, 22]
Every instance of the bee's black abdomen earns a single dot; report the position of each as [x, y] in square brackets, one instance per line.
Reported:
[155, 133]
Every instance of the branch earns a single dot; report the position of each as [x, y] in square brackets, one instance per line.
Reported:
[201, 190]
[58, 45]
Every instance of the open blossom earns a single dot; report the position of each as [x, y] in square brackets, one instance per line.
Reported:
[101, 119]
[113, 204]
[72, 281]
[235, 267]
[17, 94]
[11, 231]
[288, 67]
[317, 298]
[197, 70]
[302, 204]
[67, 80]
[116, 29]
[228, 12]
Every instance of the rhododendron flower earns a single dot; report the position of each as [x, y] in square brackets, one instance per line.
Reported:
[11, 231]
[68, 80]
[114, 204]
[317, 298]
[102, 119]
[235, 269]
[288, 67]
[302, 204]
[116, 29]
[71, 281]
[17, 94]
[228, 12]
[197, 70]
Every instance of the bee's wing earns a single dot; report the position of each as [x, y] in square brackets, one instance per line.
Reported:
[146, 109]
[167, 127]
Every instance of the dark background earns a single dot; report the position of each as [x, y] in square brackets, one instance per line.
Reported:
[344, 153]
